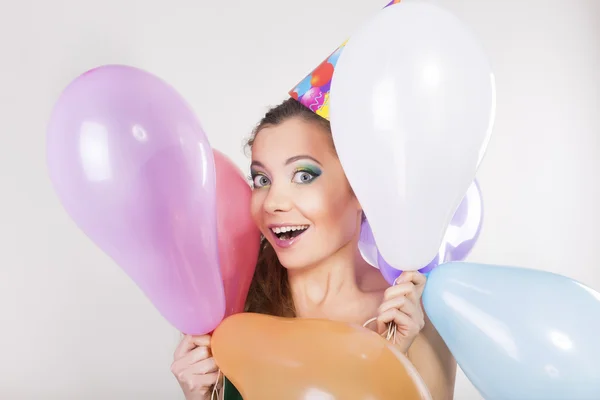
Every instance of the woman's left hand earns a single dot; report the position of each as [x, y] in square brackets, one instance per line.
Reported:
[402, 306]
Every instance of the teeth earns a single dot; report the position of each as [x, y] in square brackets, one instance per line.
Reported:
[284, 229]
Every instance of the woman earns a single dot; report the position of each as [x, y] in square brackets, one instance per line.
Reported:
[309, 265]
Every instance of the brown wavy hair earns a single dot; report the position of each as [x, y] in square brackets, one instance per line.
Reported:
[270, 289]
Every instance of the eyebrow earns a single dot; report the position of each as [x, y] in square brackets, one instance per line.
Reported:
[288, 161]
[301, 157]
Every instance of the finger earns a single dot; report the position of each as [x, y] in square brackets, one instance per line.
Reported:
[204, 367]
[190, 342]
[390, 317]
[403, 304]
[417, 278]
[200, 383]
[186, 372]
[411, 276]
[381, 326]
[405, 324]
[202, 340]
[207, 380]
[184, 346]
[407, 289]
[195, 356]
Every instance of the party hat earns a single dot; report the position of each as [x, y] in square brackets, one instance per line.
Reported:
[313, 90]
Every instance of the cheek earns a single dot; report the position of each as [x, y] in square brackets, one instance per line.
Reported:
[256, 206]
[330, 209]
[346, 214]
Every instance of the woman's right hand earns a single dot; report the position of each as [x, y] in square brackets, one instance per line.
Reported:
[195, 368]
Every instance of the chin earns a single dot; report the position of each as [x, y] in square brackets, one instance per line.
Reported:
[295, 260]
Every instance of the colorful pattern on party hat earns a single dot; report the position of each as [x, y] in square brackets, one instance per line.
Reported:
[313, 90]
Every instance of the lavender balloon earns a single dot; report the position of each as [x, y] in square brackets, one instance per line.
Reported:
[134, 170]
[461, 235]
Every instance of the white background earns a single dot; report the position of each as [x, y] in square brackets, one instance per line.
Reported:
[74, 327]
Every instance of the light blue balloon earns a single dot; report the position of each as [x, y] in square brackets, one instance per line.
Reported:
[518, 333]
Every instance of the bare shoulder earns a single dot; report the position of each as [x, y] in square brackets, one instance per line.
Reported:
[434, 361]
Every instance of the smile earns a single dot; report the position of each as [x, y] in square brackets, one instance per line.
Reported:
[287, 235]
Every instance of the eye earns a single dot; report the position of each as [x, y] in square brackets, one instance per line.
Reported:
[303, 177]
[259, 180]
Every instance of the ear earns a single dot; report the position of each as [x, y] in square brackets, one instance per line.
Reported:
[361, 214]
[358, 206]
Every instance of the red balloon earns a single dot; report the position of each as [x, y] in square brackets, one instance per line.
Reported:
[238, 236]
[322, 74]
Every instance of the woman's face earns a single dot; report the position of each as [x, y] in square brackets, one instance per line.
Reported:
[301, 201]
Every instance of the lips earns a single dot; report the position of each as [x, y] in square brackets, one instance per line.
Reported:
[285, 236]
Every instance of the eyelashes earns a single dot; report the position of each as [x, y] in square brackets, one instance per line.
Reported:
[260, 180]
[301, 176]
[305, 175]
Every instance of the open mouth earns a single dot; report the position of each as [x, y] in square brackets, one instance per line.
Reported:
[289, 232]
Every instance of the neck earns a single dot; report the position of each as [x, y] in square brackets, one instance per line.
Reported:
[322, 289]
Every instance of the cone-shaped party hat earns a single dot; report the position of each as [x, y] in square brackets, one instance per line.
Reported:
[313, 90]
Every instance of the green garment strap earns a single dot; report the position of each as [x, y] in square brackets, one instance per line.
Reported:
[230, 391]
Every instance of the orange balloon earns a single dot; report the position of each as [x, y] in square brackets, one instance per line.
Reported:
[238, 236]
[269, 357]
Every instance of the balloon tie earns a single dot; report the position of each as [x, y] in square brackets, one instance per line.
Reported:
[215, 392]
[390, 335]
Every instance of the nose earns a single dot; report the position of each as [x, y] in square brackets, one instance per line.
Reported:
[278, 199]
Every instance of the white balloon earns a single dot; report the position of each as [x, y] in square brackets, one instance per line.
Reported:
[412, 108]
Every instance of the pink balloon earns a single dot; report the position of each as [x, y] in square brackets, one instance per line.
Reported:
[239, 237]
[134, 169]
